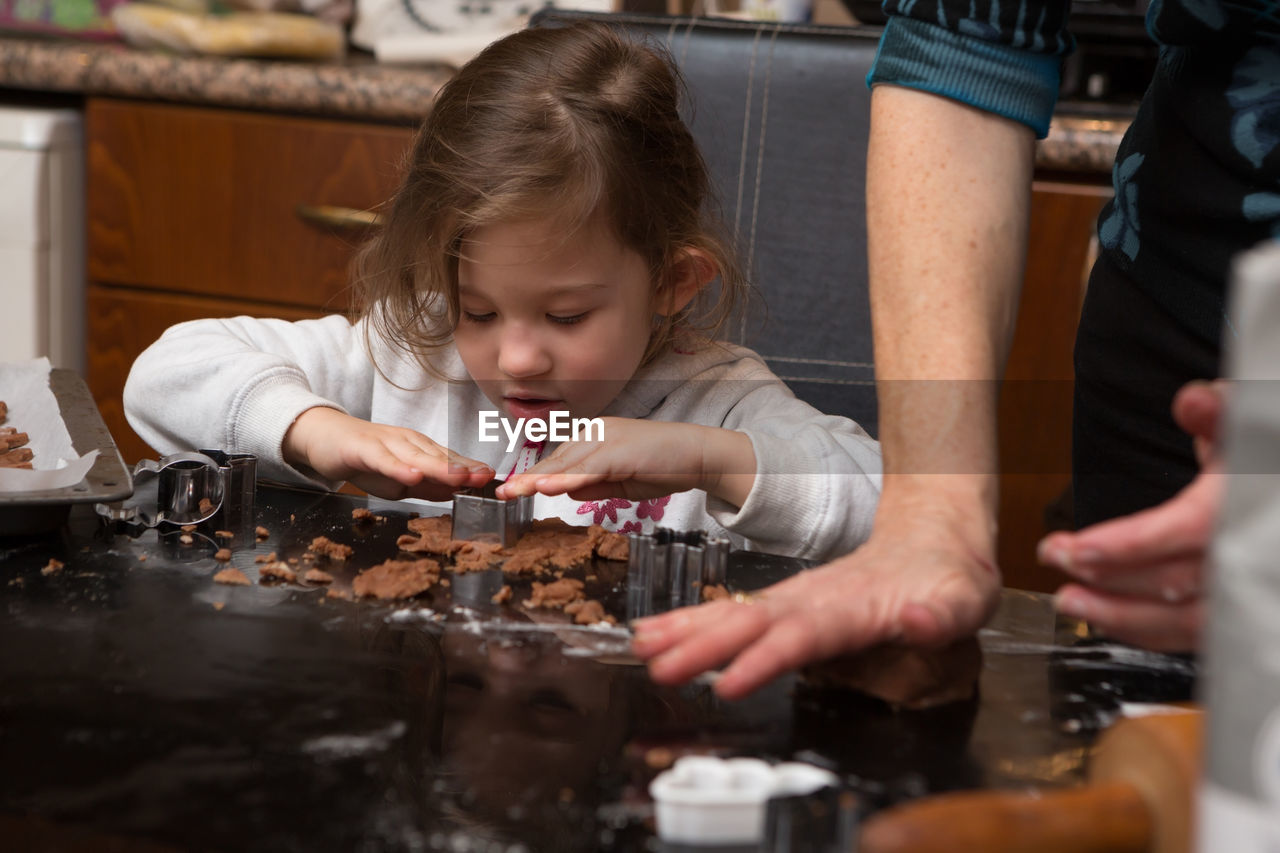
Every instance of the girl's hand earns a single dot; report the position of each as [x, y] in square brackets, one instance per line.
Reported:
[386, 461]
[644, 459]
[1141, 577]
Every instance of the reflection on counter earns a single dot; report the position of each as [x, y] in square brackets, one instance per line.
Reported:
[153, 705]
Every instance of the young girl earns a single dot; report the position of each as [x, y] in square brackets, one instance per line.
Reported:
[549, 251]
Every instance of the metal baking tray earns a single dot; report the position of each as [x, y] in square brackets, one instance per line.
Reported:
[108, 480]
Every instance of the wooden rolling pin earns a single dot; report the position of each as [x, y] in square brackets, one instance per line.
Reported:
[1139, 799]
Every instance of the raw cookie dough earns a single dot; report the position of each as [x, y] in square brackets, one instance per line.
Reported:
[395, 579]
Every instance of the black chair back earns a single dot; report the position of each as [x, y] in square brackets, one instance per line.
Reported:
[781, 113]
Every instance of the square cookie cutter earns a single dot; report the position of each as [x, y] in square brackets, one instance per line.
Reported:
[480, 516]
[668, 569]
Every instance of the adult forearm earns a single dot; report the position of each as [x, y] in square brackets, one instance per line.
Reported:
[948, 193]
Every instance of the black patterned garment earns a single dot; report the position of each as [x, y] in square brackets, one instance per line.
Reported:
[1197, 178]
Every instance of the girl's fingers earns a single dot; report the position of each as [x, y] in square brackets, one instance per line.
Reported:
[559, 484]
[437, 463]
[519, 485]
[603, 491]
[1156, 626]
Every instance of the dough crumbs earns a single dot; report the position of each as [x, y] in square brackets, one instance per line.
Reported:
[503, 595]
[588, 612]
[188, 528]
[476, 556]
[261, 532]
[555, 594]
[333, 550]
[265, 558]
[142, 558]
[224, 534]
[232, 577]
[331, 592]
[394, 579]
[714, 592]
[218, 605]
[277, 571]
[223, 555]
[206, 506]
[52, 567]
[614, 546]
[318, 576]
[186, 539]
[361, 513]
[433, 535]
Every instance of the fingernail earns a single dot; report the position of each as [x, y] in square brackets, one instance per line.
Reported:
[1071, 605]
[1050, 555]
[1089, 555]
[640, 640]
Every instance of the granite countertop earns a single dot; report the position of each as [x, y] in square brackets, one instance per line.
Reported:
[360, 88]
[356, 87]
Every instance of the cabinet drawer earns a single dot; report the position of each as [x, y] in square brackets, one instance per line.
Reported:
[122, 322]
[207, 201]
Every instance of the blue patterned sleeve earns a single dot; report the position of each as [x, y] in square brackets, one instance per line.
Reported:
[1002, 57]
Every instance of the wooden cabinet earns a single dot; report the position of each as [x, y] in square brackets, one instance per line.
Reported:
[196, 212]
[1035, 400]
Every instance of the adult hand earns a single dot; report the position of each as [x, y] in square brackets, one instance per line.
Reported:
[1142, 577]
[640, 459]
[386, 461]
[924, 577]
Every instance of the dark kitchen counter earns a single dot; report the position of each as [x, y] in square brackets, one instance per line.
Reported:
[145, 707]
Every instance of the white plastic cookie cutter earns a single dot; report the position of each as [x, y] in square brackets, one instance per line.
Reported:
[707, 800]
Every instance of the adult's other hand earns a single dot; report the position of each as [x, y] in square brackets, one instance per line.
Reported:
[1141, 578]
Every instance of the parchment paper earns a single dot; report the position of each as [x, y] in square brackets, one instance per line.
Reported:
[24, 387]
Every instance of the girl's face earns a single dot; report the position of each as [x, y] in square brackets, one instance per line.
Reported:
[549, 323]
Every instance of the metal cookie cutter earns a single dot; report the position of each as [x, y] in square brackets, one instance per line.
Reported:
[188, 488]
[479, 515]
[668, 568]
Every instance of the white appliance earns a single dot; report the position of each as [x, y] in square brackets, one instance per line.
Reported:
[42, 270]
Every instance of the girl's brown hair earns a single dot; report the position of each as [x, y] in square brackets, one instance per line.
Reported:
[566, 122]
